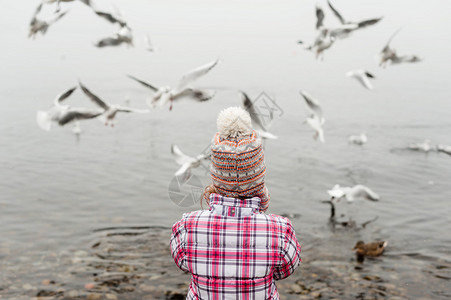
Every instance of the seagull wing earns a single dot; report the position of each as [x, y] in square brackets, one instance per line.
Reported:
[94, 98]
[111, 18]
[183, 169]
[109, 41]
[38, 9]
[336, 13]
[363, 79]
[195, 74]
[132, 110]
[267, 135]
[87, 2]
[368, 22]
[319, 17]
[79, 113]
[342, 29]
[148, 85]
[63, 96]
[368, 74]
[387, 46]
[249, 106]
[59, 16]
[179, 156]
[196, 94]
[313, 104]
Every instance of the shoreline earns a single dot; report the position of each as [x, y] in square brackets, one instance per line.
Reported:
[135, 263]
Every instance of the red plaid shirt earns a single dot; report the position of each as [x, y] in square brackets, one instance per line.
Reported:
[233, 251]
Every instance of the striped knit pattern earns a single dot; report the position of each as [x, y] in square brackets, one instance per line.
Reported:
[233, 251]
[238, 167]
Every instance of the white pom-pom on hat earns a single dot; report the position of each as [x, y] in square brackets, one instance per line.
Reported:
[233, 122]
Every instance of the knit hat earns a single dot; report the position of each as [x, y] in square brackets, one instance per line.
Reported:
[237, 160]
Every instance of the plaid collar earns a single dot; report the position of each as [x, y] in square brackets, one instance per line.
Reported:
[217, 199]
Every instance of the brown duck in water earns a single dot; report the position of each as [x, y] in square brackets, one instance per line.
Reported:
[370, 249]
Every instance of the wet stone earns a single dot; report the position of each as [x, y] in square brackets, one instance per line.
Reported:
[94, 296]
[111, 296]
[296, 289]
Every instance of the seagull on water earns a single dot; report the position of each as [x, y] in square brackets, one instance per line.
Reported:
[186, 162]
[444, 149]
[110, 109]
[37, 25]
[358, 139]
[362, 76]
[64, 114]
[316, 119]
[256, 118]
[423, 147]
[355, 25]
[352, 193]
[165, 94]
[389, 55]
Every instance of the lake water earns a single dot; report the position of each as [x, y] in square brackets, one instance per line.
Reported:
[56, 191]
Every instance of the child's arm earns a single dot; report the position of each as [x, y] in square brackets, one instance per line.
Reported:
[178, 244]
[291, 255]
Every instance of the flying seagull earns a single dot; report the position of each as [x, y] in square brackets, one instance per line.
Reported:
[64, 114]
[323, 41]
[356, 25]
[37, 25]
[444, 149]
[186, 162]
[316, 119]
[389, 55]
[423, 147]
[362, 76]
[256, 118]
[165, 94]
[110, 109]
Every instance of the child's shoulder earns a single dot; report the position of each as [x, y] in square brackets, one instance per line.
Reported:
[278, 219]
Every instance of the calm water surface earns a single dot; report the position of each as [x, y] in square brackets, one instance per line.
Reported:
[55, 191]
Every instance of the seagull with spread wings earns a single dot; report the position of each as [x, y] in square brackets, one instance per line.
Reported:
[165, 94]
[186, 162]
[316, 119]
[389, 55]
[362, 76]
[355, 25]
[323, 41]
[110, 110]
[64, 114]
